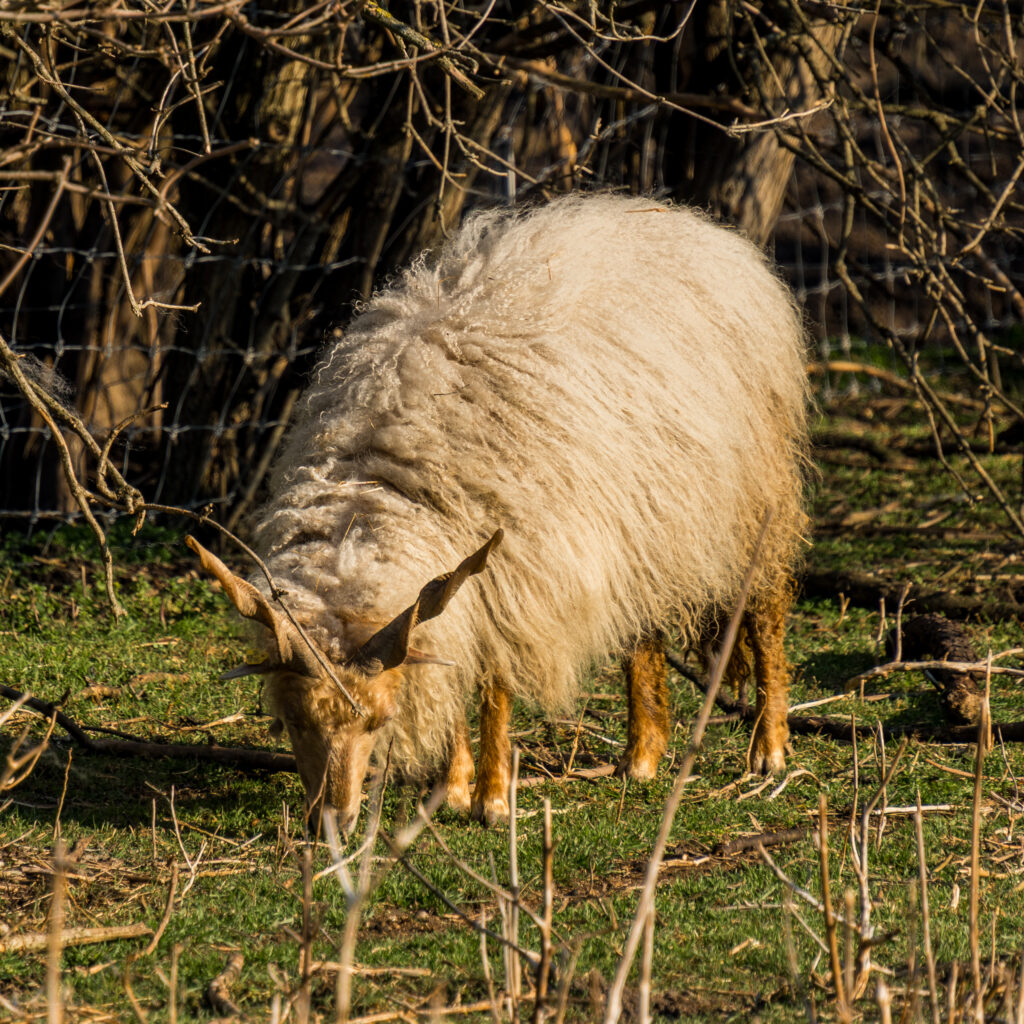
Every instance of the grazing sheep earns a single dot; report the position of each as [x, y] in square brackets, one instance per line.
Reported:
[619, 385]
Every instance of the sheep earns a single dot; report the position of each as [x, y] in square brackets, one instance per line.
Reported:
[618, 385]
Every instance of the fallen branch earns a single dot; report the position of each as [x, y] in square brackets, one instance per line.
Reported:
[35, 942]
[778, 838]
[893, 379]
[237, 757]
[957, 667]
[865, 591]
[842, 730]
[218, 992]
[429, 1011]
[861, 443]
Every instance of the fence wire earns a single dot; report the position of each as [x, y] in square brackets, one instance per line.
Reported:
[192, 199]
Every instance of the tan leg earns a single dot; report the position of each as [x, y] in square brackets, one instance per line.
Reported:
[647, 696]
[460, 769]
[766, 623]
[494, 769]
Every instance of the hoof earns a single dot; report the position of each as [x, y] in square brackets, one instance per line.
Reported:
[457, 798]
[766, 760]
[637, 766]
[490, 810]
[767, 752]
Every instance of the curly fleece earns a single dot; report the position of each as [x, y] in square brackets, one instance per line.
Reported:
[617, 383]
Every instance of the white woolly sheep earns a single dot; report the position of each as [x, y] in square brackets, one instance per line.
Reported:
[616, 383]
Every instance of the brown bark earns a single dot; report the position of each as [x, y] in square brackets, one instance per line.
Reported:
[743, 179]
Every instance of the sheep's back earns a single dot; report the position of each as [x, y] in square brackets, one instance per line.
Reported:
[617, 384]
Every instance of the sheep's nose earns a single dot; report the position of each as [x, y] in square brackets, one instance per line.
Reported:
[343, 821]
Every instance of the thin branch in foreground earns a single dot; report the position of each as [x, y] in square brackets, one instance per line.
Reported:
[613, 1005]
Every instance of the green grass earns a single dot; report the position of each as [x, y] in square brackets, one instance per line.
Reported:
[719, 951]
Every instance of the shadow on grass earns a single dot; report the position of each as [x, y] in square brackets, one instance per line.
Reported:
[829, 670]
[119, 792]
[919, 703]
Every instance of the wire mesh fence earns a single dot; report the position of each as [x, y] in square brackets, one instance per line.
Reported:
[191, 199]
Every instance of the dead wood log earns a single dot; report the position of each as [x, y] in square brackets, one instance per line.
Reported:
[865, 591]
[825, 439]
[935, 637]
[35, 942]
[218, 992]
[781, 837]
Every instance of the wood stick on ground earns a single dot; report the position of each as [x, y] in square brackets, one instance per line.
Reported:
[239, 757]
[439, 1011]
[218, 992]
[765, 839]
[168, 909]
[35, 942]
[933, 665]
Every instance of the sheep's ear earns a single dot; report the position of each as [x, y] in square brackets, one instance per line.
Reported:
[292, 651]
[389, 647]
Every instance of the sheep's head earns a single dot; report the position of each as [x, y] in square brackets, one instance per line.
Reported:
[332, 711]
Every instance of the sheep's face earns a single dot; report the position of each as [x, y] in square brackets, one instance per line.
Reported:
[332, 744]
[333, 712]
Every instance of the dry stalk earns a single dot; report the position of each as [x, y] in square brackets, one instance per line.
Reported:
[172, 995]
[860, 847]
[568, 972]
[540, 1008]
[646, 967]
[356, 893]
[513, 970]
[829, 913]
[303, 995]
[492, 999]
[55, 943]
[974, 931]
[926, 927]
[18, 763]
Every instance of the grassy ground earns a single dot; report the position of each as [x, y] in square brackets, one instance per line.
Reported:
[235, 840]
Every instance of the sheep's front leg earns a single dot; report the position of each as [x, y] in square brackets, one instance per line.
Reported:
[460, 768]
[647, 696]
[494, 769]
[765, 632]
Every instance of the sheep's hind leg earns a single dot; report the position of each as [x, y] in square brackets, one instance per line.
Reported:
[766, 623]
[460, 769]
[647, 696]
[494, 770]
